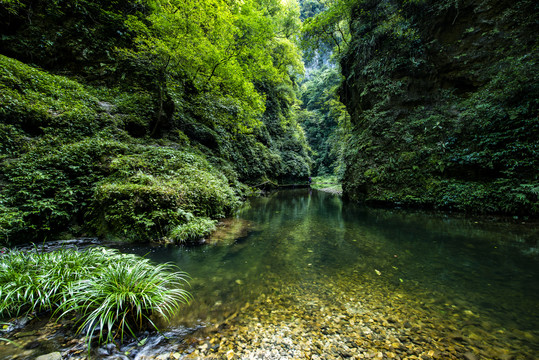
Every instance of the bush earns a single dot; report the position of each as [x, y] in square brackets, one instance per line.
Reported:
[47, 189]
[149, 193]
[123, 296]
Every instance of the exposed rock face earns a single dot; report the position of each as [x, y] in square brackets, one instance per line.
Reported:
[444, 96]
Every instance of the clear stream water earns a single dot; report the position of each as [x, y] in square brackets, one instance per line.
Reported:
[305, 260]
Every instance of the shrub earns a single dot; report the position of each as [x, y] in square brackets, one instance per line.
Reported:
[123, 297]
[149, 193]
[49, 188]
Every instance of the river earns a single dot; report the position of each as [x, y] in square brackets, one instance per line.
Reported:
[311, 277]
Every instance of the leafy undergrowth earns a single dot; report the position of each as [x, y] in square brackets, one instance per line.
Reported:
[445, 121]
[112, 294]
[80, 160]
[69, 164]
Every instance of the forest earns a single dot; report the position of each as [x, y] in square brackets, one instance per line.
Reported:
[151, 121]
[111, 110]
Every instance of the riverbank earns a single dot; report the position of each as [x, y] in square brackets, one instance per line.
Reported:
[332, 190]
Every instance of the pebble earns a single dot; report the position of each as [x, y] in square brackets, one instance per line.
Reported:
[51, 356]
[325, 319]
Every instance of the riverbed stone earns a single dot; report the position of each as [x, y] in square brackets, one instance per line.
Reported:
[52, 356]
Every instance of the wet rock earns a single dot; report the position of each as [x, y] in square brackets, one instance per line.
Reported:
[32, 345]
[26, 333]
[52, 356]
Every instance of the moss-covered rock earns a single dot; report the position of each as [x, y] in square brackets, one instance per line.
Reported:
[152, 192]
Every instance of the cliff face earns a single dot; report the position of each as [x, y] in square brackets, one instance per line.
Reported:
[443, 97]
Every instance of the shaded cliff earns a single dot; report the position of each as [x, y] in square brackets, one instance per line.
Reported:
[443, 98]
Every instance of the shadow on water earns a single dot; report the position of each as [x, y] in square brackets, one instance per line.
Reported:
[307, 252]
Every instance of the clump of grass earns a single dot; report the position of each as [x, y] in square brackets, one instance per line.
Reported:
[114, 293]
[20, 284]
[193, 230]
[124, 296]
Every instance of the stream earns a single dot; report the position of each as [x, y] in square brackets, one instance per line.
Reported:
[301, 275]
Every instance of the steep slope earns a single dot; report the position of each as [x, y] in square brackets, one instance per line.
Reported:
[443, 97]
[68, 164]
[114, 125]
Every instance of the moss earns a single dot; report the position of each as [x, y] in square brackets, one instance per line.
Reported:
[96, 160]
[68, 162]
[147, 194]
[446, 116]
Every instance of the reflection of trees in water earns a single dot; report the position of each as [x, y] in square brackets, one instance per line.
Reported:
[302, 228]
[302, 237]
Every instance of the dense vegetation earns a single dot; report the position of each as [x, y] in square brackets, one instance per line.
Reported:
[149, 120]
[325, 120]
[112, 295]
[143, 119]
[443, 98]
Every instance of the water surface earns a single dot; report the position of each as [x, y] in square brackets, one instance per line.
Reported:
[311, 277]
[472, 283]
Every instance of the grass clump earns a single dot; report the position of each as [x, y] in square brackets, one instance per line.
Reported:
[111, 293]
[124, 296]
[193, 230]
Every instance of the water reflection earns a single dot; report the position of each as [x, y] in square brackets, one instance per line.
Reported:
[302, 237]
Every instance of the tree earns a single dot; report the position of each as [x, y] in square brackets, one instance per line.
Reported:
[216, 47]
[328, 30]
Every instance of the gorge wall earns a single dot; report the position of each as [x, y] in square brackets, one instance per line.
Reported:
[443, 98]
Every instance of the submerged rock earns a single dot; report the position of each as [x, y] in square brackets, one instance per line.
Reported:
[230, 230]
[52, 356]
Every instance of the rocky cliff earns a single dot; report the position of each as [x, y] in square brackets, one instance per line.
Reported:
[443, 97]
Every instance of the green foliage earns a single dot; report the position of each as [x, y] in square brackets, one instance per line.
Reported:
[48, 188]
[324, 119]
[194, 81]
[148, 194]
[310, 8]
[36, 103]
[217, 49]
[331, 183]
[115, 293]
[328, 30]
[51, 185]
[433, 125]
[62, 34]
[122, 296]
[193, 230]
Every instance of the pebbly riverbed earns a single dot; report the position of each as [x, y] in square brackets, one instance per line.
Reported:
[313, 278]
